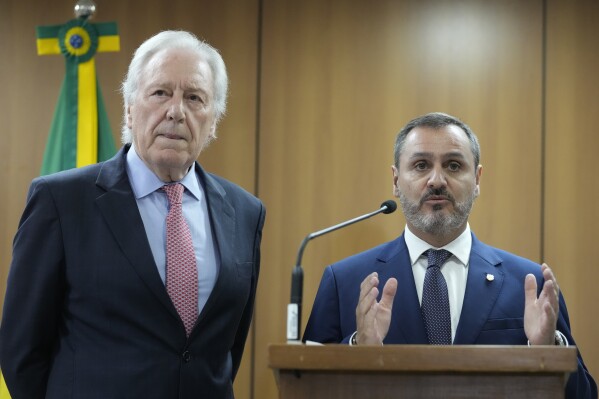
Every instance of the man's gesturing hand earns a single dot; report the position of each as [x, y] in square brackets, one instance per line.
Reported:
[373, 318]
[540, 314]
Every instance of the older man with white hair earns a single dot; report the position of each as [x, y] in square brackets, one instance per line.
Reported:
[136, 277]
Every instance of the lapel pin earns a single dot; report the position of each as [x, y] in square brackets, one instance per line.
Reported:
[490, 277]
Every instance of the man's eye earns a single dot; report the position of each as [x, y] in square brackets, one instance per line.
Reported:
[454, 166]
[159, 93]
[420, 166]
[196, 98]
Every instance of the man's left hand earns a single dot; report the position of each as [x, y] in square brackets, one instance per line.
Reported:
[540, 314]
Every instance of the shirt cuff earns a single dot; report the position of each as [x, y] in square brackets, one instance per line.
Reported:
[560, 339]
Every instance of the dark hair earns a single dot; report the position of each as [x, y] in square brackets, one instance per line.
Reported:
[436, 120]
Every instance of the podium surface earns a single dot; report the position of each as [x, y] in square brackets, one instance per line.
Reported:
[421, 371]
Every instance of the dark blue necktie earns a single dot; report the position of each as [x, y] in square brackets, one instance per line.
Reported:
[435, 300]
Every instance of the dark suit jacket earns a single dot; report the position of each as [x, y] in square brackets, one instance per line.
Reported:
[492, 313]
[86, 314]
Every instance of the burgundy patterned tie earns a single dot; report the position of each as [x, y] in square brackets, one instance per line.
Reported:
[181, 271]
[435, 299]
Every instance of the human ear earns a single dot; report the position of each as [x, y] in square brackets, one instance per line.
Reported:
[396, 191]
[479, 171]
[129, 118]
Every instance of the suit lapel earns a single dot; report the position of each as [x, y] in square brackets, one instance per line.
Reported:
[395, 262]
[222, 221]
[119, 209]
[481, 291]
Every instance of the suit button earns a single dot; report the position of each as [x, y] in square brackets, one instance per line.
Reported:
[186, 356]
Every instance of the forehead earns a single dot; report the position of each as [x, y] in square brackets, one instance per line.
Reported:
[430, 141]
[177, 67]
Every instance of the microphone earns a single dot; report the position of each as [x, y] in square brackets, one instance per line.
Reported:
[297, 276]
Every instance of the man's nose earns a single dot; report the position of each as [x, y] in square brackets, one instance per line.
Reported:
[437, 178]
[175, 111]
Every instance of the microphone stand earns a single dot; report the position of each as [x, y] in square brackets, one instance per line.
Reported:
[294, 309]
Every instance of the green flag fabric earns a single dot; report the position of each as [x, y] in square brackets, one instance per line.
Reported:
[61, 147]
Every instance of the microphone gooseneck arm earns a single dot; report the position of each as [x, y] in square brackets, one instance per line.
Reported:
[322, 232]
[297, 276]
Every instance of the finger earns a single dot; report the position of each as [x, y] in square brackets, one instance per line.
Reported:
[550, 290]
[548, 275]
[550, 313]
[389, 291]
[547, 272]
[367, 297]
[548, 322]
[530, 289]
[372, 280]
[365, 305]
[549, 295]
[366, 313]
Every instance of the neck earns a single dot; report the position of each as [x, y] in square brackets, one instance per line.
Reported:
[438, 240]
[169, 175]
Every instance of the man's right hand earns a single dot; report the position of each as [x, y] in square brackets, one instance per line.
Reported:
[373, 318]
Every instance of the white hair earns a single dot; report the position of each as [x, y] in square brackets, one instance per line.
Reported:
[168, 40]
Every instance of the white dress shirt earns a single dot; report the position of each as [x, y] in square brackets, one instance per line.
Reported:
[454, 270]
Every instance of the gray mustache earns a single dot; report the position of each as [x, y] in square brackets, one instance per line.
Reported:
[437, 192]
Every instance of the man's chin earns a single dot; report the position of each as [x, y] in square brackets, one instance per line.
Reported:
[433, 210]
[436, 222]
[172, 159]
[435, 204]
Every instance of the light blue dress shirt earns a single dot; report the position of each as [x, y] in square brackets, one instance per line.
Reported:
[153, 207]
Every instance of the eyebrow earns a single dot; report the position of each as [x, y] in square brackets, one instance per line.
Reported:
[188, 86]
[428, 155]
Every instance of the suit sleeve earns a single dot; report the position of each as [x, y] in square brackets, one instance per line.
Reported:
[580, 384]
[34, 297]
[246, 318]
[324, 324]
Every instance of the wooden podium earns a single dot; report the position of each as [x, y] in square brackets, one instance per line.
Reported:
[420, 371]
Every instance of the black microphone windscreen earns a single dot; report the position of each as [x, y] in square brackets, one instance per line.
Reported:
[390, 206]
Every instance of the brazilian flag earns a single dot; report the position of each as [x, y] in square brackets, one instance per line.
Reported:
[80, 133]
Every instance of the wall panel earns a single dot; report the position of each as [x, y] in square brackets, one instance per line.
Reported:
[31, 85]
[571, 167]
[339, 79]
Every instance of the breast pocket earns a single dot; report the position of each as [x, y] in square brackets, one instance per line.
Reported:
[508, 331]
[504, 324]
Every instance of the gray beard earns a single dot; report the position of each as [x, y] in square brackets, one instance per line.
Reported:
[436, 223]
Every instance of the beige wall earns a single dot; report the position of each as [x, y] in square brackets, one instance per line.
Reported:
[319, 90]
[570, 164]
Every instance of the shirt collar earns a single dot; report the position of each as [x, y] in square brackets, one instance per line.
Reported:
[144, 182]
[460, 247]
